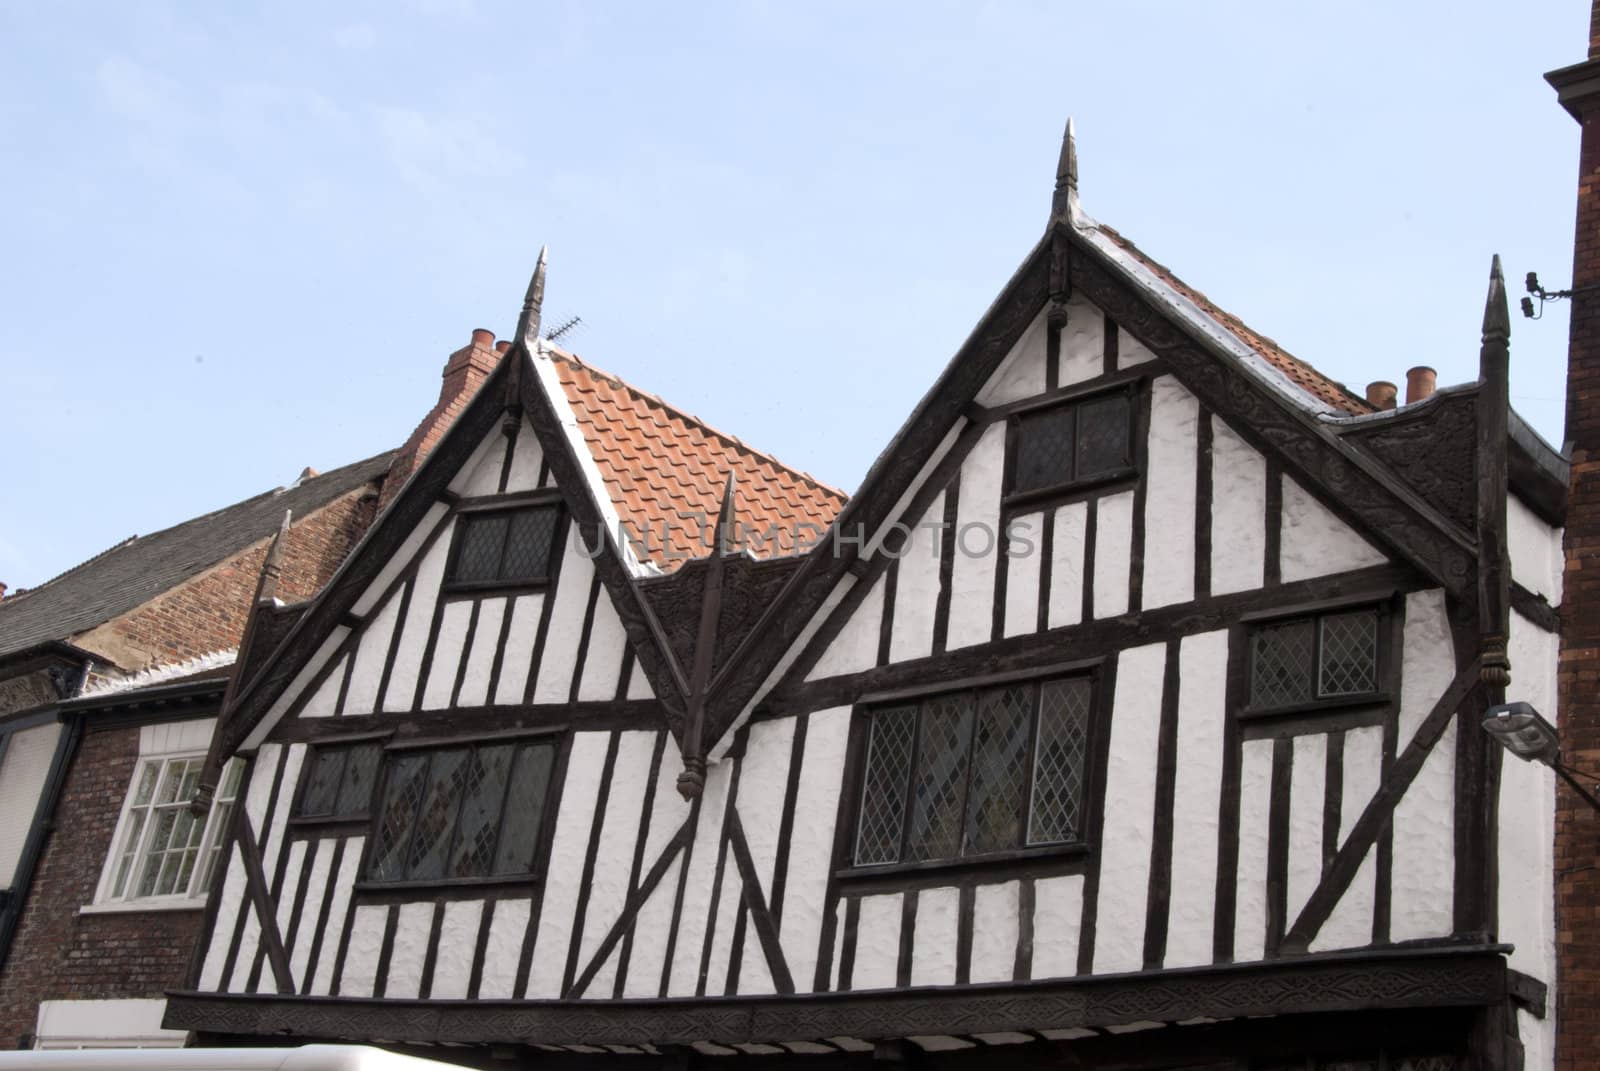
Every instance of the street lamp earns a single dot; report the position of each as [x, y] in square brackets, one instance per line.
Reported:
[1520, 729]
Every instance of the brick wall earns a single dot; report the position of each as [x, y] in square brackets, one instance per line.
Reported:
[1577, 825]
[464, 373]
[60, 954]
[208, 612]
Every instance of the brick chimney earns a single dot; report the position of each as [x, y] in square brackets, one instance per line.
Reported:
[464, 373]
[1577, 826]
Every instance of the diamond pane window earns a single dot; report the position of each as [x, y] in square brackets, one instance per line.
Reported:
[1073, 443]
[504, 547]
[458, 813]
[974, 773]
[1328, 656]
[339, 782]
[164, 851]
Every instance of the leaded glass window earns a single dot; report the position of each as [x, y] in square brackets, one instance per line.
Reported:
[973, 773]
[1073, 443]
[339, 782]
[504, 547]
[1306, 659]
[164, 851]
[459, 813]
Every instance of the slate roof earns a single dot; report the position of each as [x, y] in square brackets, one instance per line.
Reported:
[133, 572]
[657, 461]
[1301, 374]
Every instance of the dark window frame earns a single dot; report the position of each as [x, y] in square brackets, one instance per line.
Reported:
[478, 510]
[303, 823]
[369, 889]
[1134, 393]
[1386, 691]
[1050, 858]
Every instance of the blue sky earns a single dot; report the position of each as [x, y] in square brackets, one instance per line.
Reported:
[242, 240]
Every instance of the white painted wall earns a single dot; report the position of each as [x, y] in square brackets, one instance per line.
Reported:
[811, 842]
[1057, 924]
[1066, 564]
[1527, 814]
[402, 687]
[916, 592]
[585, 763]
[855, 647]
[976, 541]
[22, 776]
[1536, 556]
[1197, 794]
[1170, 482]
[933, 954]
[555, 668]
[1083, 347]
[877, 942]
[507, 928]
[1021, 373]
[1250, 890]
[371, 652]
[1313, 542]
[1238, 512]
[994, 932]
[480, 658]
[1424, 821]
[1113, 553]
[1025, 553]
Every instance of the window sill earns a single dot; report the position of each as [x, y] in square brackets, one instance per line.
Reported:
[1019, 862]
[1063, 493]
[131, 907]
[1316, 706]
[459, 888]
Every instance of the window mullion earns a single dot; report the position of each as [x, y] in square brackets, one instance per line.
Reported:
[966, 782]
[505, 794]
[911, 783]
[1026, 809]
[1316, 658]
[505, 545]
[447, 862]
[1072, 443]
[416, 819]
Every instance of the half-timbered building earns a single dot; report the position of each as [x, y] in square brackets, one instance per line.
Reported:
[1126, 715]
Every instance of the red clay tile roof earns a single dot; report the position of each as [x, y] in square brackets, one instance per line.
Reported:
[658, 462]
[1298, 371]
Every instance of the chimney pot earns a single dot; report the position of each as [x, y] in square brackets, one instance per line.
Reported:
[1420, 383]
[2, 590]
[482, 336]
[1381, 394]
[502, 345]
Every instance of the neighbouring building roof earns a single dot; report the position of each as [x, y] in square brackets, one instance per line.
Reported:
[658, 462]
[133, 572]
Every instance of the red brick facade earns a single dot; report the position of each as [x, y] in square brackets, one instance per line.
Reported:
[208, 613]
[1577, 825]
[464, 373]
[58, 953]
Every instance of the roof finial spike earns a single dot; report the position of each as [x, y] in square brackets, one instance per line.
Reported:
[726, 541]
[533, 304]
[1496, 314]
[1065, 202]
[272, 566]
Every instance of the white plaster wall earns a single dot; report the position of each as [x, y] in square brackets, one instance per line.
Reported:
[697, 890]
[370, 654]
[602, 660]
[933, 949]
[1527, 815]
[1424, 821]
[447, 654]
[1197, 793]
[248, 939]
[619, 832]
[520, 638]
[1083, 347]
[297, 687]
[1113, 553]
[410, 950]
[1129, 810]
[762, 786]
[507, 927]
[668, 809]
[366, 945]
[916, 592]
[480, 475]
[994, 932]
[1314, 542]
[639, 684]
[755, 977]
[1066, 564]
[855, 648]
[291, 879]
[480, 659]
[1308, 781]
[127, 1023]
[585, 762]
[316, 891]
[525, 461]
[554, 681]
[401, 558]
[1349, 925]
[1021, 373]
[458, 938]
[976, 541]
[222, 927]
[1250, 895]
[650, 936]
[402, 688]
[1025, 553]
[1130, 351]
[729, 903]
[272, 839]
[1537, 560]
[811, 842]
[877, 942]
[1169, 507]
[326, 697]
[1238, 512]
[1057, 920]
[1538, 1037]
[22, 775]
[344, 883]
